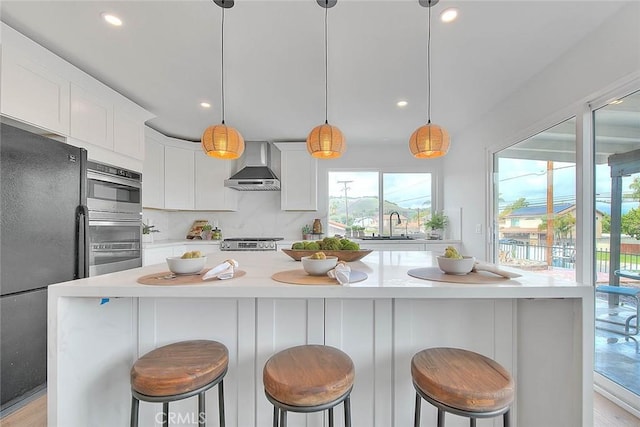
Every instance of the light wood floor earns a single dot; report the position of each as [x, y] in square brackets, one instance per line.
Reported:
[605, 414]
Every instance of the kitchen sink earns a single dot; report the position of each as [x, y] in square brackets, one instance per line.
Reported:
[387, 238]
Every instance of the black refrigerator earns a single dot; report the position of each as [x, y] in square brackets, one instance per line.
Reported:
[43, 230]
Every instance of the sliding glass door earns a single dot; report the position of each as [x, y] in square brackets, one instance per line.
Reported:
[616, 129]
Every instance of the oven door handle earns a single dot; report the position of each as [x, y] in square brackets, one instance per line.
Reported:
[125, 222]
[82, 245]
[98, 176]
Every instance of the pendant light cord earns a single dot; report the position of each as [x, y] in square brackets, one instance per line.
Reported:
[429, 65]
[326, 65]
[222, 63]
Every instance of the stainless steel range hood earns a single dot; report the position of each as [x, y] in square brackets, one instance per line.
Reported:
[256, 173]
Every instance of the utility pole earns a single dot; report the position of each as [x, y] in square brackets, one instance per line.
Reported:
[346, 200]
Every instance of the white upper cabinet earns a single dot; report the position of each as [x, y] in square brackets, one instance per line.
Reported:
[128, 133]
[298, 180]
[33, 93]
[153, 174]
[178, 175]
[179, 178]
[43, 90]
[91, 117]
[211, 194]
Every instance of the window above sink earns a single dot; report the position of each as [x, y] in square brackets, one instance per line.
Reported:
[361, 202]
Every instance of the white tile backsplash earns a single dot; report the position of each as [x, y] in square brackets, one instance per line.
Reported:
[258, 215]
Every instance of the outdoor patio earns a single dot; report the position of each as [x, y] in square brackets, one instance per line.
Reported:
[616, 357]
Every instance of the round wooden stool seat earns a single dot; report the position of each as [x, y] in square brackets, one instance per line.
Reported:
[308, 375]
[179, 368]
[462, 380]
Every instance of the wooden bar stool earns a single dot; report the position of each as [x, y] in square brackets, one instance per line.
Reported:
[308, 378]
[178, 371]
[461, 382]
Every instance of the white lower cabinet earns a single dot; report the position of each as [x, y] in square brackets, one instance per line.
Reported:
[159, 255]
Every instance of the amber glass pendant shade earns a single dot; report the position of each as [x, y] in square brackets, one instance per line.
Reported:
[326, 142]
[429, 141]
[222, 142]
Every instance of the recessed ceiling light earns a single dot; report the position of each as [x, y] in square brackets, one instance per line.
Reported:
[449, 15]
[205, 105]
[402, 104]
[112, 19]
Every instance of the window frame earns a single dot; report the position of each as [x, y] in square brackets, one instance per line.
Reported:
[437, 203]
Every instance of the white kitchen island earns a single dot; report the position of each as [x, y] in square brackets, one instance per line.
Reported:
[538, 327]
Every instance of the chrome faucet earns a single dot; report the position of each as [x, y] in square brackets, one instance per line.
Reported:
[391, 222]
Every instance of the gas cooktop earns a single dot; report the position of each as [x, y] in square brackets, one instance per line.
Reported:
[250, 244]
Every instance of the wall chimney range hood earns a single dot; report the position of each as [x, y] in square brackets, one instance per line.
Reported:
[255, 174]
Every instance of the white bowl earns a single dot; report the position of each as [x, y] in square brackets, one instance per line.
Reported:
[456, 266]
[318, 267]
[179, 265]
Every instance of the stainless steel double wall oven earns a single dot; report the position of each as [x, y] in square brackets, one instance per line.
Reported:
[115, 218]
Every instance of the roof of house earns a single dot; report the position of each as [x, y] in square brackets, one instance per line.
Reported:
[540, 210]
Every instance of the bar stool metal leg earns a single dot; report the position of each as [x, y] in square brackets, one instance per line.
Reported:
[347, 411]
[440, 418]
[276, 415]
[165, 413]
[221, 402]
[283, 418]
[330, 417]
[201, 411]
[507, 419]
[416, 415]
[134, 411]
[472, 422]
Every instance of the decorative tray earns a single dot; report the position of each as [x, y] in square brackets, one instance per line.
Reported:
[300, 277]
[346, 256]
[168, 278]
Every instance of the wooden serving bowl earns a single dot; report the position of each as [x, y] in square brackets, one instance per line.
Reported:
[346, 256]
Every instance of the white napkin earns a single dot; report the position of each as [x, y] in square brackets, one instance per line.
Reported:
[222, 271]
[341, 273]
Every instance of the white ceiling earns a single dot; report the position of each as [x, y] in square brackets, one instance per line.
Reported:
[166, 57]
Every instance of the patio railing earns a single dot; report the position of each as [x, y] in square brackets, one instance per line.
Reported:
[564, 256]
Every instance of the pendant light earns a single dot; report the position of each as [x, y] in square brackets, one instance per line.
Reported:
[222, 141]
[429, 141]
[326, 141]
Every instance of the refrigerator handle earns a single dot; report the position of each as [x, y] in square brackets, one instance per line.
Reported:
[82, 246]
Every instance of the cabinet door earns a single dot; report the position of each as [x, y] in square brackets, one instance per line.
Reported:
[210, 192]
[178, 178]
[128, 134]
[153, 175]
[91, 117]
[152, 256]
[298, 186]
[33, 94]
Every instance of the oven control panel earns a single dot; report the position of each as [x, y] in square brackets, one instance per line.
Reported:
[248, 245]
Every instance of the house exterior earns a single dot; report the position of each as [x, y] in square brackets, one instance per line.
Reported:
[523, 224]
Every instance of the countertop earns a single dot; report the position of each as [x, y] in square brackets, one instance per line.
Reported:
[386, 270]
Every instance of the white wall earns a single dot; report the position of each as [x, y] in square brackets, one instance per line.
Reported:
[607, 58]
[259, 213]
